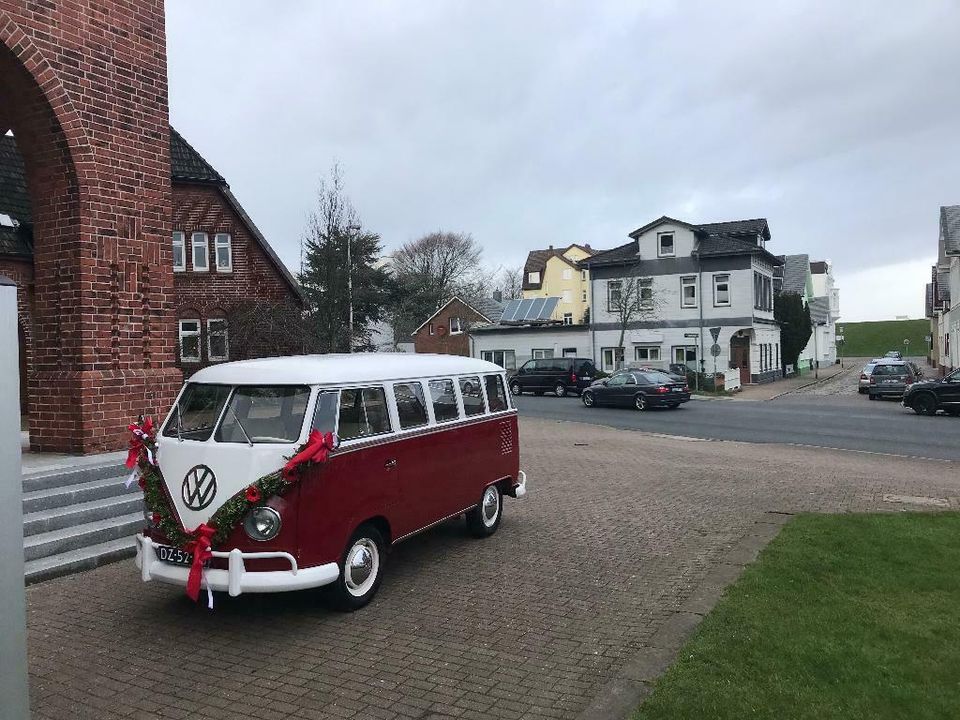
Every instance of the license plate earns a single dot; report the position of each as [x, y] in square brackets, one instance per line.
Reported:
[174, 556]
[891, 382]
[677, 389]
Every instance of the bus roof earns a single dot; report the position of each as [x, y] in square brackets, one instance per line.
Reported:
[337, 369]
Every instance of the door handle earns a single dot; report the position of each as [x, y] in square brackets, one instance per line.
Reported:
[390, 464]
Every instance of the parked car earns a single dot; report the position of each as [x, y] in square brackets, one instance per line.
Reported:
[865, 375]
[917, 370]
[928, 396]
[642, 368]
[389, 445]
[637, 389]
[890, 378]
[894, 355]
[558, 375]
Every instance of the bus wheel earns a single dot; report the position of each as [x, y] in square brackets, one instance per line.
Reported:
[484, 519]
[361, 569]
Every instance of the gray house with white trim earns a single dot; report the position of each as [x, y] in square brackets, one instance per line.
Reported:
[697, 276]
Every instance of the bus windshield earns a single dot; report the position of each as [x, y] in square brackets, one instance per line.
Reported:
[197, 411]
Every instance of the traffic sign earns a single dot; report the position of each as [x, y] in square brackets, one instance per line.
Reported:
[906, 341]
[715, 331]
[715, 350]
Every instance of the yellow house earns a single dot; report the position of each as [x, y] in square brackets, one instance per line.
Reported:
[558, 273]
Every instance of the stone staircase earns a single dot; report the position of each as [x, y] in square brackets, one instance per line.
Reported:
[78, 518]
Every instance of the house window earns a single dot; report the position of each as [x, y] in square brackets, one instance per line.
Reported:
[542, 353]
[687, 355]
[533, 278]
[430, 328]
[179, 252]
[583, 296]
[217, 344]
[646, 353]
[646, 292]
[568, 318]
[583, 275]
[721, 290]
[223, 252]
[189, 340]
[665, 246]
[568, 296]
[569, 352]
[614, 291]
[688, 292]
[201, 253]
[455, 327]
[507, 359]
[611, 359]
[567, 274]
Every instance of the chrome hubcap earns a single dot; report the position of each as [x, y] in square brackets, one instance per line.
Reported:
[360, 569]
[490, 508]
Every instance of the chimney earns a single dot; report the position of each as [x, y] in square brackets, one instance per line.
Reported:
[498, 296]
[551, 247]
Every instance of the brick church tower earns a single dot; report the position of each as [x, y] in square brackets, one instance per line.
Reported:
[83, 88]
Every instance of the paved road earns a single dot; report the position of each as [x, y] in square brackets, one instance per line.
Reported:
[831, 415]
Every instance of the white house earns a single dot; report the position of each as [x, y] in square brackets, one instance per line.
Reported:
[824, 312]
[943, 294]
[696, 277]
[511, 346]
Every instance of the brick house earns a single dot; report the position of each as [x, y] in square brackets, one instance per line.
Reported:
[447, 331]
[220, 260]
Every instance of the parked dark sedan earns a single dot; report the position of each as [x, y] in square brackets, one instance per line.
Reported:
[890, 378]
[931, 395]
[637, 389]
[641, 368]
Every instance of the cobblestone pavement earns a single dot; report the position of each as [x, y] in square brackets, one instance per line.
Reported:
[845, 384]
[616, 531]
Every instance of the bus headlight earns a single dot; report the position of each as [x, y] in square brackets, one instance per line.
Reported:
[262, 524]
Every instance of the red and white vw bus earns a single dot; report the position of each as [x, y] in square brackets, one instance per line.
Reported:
[416, 439]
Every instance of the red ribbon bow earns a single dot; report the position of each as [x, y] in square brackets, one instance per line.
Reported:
[200, 547]
[138, 432]
[317, 448]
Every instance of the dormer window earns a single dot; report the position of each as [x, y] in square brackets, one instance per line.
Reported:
[533, 278]
[665, 245]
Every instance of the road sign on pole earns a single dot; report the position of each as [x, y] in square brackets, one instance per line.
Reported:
[715, 332]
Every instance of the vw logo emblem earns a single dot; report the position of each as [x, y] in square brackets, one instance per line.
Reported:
[199, 487]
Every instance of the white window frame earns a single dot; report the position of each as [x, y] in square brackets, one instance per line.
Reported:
[567, 274]
[644, 283]
[567, 296]
[652, 353]
[611, 284]
[456, 322]
[721, 279]
[221, 240]
[541, 354]
[179, 240]
[685, 282]
[197, 240]
[568, 318]
[533, 278]
[181, 334]
[614, 352]
[226, 341]
[673, 241]
[491, 356]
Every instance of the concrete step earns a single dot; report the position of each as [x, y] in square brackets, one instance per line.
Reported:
[65, 477]
[85, 558]
[77, 537]
[54, 497]
[81, 513]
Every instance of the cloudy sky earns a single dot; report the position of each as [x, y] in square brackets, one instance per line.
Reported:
[537, 123]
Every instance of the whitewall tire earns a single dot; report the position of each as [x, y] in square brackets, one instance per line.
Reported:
[484, 519]
[361, 569]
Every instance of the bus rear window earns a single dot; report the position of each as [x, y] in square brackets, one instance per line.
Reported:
[197, 411]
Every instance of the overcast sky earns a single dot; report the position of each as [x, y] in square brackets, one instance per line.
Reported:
[537, 123]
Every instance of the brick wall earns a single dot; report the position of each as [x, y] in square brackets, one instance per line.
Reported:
[441, 341]
[83, 85]
[212, 294]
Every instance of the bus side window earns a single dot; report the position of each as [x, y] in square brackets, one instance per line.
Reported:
[472, 396]
[363, 412]
[496, 395]
[325, 413]
[444, 401]
[410, 404]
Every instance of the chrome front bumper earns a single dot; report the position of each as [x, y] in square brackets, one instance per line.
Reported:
[236, 579]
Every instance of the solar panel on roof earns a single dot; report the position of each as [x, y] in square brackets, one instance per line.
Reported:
[533, 312]
[510, 311]
[548, 307]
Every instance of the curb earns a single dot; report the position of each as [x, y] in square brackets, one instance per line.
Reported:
[635, 680]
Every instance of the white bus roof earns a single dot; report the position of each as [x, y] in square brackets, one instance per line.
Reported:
[340, 369]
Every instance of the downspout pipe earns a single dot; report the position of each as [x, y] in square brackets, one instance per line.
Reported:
[700, 301]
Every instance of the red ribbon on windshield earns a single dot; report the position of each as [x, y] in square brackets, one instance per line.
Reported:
[317, 449]
[138, 433]
[200, 547]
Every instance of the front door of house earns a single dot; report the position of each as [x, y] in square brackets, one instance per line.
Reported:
[740, 357]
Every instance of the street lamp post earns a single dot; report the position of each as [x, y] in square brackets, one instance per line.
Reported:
[351, 229]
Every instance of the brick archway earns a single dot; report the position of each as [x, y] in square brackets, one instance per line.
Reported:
[83, 87]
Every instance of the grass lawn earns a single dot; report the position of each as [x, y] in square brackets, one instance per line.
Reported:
[873, 339]
[843, 616]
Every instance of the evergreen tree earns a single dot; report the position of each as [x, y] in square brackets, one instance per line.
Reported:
[325, 275]
[795, 326]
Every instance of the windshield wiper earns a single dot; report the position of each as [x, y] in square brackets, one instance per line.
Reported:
[240, 425]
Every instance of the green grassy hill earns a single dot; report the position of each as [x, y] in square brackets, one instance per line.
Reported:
[873, 339]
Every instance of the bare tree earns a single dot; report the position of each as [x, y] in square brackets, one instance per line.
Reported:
[259, 329]
[509, 281]
[632, 299]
